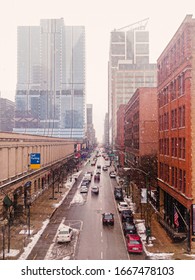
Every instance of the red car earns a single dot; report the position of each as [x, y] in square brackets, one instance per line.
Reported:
[134, 243]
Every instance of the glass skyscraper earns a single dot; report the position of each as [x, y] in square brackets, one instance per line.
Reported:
[50, 93]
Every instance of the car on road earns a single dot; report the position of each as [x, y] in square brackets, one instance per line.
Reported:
[134, 243]
[108, 219]
[95, 189]
[112, 174]
[129, 228]
[97, 177]
[98, 171]
[104, 168]
[65, 234]
[122, 205]
[83, 189]
[118, 193]
[127, 215]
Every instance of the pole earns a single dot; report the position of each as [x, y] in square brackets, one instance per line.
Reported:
[28, 219]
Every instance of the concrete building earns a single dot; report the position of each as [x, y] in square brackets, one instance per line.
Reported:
[7, 108]
[50, 92]
[129, 68]
[90, 133]
[106, 131]
[176, 159]
[120, 139]
[19, 174]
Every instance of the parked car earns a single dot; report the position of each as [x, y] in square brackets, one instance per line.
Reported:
[95, 189]
[83, 189]
[108, 219]
[112, 174]
[122, 205]
[104, 168]
[85, 183]
[64, 234]
[118, 193]
[134, 243]
[127, 215]
[129, 228]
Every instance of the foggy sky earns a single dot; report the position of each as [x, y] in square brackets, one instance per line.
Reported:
[99, 18]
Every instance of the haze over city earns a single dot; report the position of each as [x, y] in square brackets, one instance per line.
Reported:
[99, 19]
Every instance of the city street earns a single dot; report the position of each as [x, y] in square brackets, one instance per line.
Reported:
[83, 212]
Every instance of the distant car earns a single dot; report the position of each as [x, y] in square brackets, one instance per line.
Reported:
[129, 228]
[85, 183]
[108, 219]
[64, 234]
[134, 243]
[83, 189]
[95, 189]
[122, 205]
[104, 168]
[112, 174]
[98, 171]
[127, 215]
[98, 166]
[96, 177]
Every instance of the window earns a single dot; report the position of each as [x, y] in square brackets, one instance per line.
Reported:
[181, 148]
[174, 147]
[174, 118]
[181, 85]
[181, 116]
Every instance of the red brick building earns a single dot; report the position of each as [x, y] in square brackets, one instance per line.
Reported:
[141, 125]
[120, 140]
[176, 159]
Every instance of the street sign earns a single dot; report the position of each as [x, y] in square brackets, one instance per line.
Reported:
[35, 160]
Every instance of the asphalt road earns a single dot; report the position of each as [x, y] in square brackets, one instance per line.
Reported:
[83, 212]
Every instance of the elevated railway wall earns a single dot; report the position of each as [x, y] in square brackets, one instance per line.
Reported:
[20, 183]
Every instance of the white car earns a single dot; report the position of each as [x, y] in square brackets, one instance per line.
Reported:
[112, 174]
[95, 189]
[65, 234]
[122, 205]
[83, 189]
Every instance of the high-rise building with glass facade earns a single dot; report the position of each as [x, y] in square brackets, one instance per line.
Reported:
[50, 93]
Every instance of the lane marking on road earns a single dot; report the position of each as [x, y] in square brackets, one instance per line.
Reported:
[101, 255]
[46, 235]
[34, 256]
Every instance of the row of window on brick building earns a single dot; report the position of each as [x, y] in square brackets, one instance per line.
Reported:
[175, 89]
[174, 58]
[175, 147]
[176, 120]
[174, 176]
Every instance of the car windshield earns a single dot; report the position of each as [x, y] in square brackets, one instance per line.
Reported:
[135, 242]
[108, 216]
[129, 226]
[123, 204]
[127, 212]
[64, 232]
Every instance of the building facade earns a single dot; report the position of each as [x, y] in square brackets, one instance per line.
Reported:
[120, 139]
[176, 160]
[129, 68]
[90, 131]
[141, 126]
[7, 108]
[50, 93]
